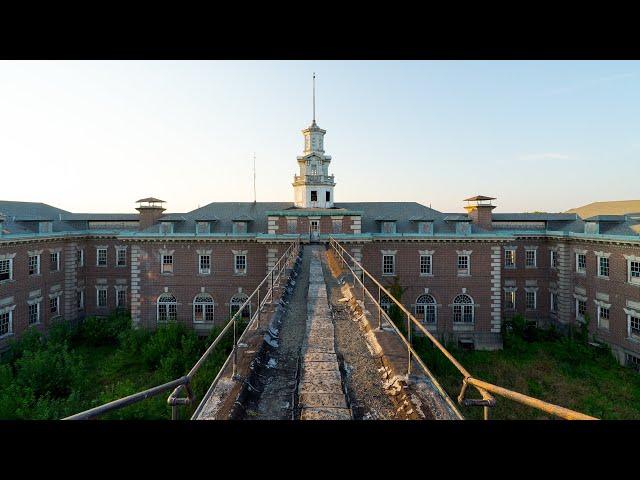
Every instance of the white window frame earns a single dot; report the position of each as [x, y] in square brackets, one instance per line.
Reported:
[433, 305]
[631, 260]
[164, 269]
[630, 316]
[204, 306]
[106, 256]
[553, 304]
[9, 261]
[535, 299]
[118, 250]
[57, 262]
[608, 266]
[37, 264]
[579, 317]
[204, 271]
[80, 296]
[511, 292]
[9, 313]
[170, 308]
[600, 306]
[102, 288]
[236, 258]
[527, 252]
[553, 259]
[237, 301]
[37, 305]
[464, 310]
[386, 272]
[428, 271]
[512, 251]
[578, 269]
[463, 272]
[121, 303]
[80, 258]
[57, 312]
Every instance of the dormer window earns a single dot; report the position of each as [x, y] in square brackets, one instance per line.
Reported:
[203, 227]
[166, 228]
[240, 227]
[388, 227]
[425, 228]
[45, 227]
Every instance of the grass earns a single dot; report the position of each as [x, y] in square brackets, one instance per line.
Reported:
[559, 370]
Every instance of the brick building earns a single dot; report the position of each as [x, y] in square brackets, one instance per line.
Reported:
[463, 273]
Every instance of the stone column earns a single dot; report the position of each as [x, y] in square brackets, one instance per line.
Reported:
[496, 297]
[565, 295]
[135, 285]
[69, 309]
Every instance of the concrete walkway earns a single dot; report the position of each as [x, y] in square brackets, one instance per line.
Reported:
[321, 396]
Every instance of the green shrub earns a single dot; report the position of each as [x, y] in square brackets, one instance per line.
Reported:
[170, 338]
[104, 331]
[62, 332]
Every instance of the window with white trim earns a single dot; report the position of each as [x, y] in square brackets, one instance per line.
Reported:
[54, 306]
[121, 257]
[240, 263]
[553, 258]
[6, 269]
[203, 308]
[633, 326]
[553, 303]
[121, 298]
[510, 258]
[634, 271]
[204, 264]
[426, 309]
[101, 257]
[236, 302]
[80, 299]
[80, 257]
[463, 309]
[385, 303]
[425, 264]
[581, 309]
[603, 267]
[34, 313]
[167, 308]
[530, 258]
[388, 264]
[101, 293]
[581, 263]
[34, 264]
[166, 265]
[463, 264]
[531, 299]
[509, 299]
[6, 323]
[633, 362]
[603, 317]
[54, 264]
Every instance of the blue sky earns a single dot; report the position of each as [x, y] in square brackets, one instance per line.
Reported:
[98, 135]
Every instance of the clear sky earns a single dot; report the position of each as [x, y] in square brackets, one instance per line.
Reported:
[95, 136]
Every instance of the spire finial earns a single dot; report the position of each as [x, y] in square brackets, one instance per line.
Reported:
[314, 97]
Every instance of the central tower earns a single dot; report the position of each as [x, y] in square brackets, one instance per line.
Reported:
[313, 187]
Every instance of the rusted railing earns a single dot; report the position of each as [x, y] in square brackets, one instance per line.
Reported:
[272, 279]
[485, 389]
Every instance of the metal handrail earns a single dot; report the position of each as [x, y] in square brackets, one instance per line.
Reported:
[184, 382]
[484, 388]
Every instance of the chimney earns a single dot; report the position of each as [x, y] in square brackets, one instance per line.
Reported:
[151, 210]
[479, 210]
[2, 219]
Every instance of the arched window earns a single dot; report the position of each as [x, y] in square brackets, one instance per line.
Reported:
[203, 308]
[167, 308]
[426, 309]
[236, 302]
[385, 303]
[463, 309]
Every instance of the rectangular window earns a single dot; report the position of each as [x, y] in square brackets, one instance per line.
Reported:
[426, 313]
[121, 298]
[102, 297]
[45, 227]
[327, 196]
[54, 266]
[204, 265]
[425, 264]
[603, 317]
[634, 326]
[634, 272]
[54, 306]
[463, 313]
[314, 196]
[388, 264]
[240, 228]
[101, 257]
[337, 226]
[34, 313]
[203, 227]
[80, 258]
[554, 259]
[603, 267]
[121, 257]
[581, 263]
[34, 264]
[240, 264]
[166, 228]
[203, 312]
[424, 227]
[80, 299]
[510, 300]
[554, 302]
[633, 362]
[463, 264]
[530, 258]
[510, 258]
[531, 299]
[6, 323]
[292, 225]
[388, 227]
[581, 309]
[6, 269]
[167, 264]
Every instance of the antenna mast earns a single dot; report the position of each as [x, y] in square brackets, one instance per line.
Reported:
[254, 178]
[314, 97]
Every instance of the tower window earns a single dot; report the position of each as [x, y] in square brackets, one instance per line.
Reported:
[328, 196]
[314, 195]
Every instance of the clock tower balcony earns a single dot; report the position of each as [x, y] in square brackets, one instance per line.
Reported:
[314, 180]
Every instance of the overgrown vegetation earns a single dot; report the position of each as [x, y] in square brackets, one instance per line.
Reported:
[75, 368]
[542, 363]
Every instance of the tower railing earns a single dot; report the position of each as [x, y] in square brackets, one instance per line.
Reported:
[271, 280]
[485, 389]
